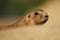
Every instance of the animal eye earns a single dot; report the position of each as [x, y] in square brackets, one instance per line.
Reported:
[36, 13]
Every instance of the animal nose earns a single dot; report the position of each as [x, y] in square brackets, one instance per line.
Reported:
[46, 16]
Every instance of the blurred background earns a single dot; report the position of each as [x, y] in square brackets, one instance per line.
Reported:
[14, 9]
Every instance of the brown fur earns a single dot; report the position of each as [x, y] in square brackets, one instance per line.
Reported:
[33, 17]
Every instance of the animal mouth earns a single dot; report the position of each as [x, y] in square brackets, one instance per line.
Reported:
[43, 22]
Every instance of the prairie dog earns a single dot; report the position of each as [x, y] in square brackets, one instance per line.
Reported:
[33, 17]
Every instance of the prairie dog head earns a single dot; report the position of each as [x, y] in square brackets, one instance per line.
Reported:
[37, 16]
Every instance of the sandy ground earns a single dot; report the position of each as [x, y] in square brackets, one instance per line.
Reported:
[48, 31]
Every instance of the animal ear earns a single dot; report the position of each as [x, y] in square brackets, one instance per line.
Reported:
[29, 16]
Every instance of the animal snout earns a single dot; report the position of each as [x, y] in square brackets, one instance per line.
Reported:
[46, 16]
